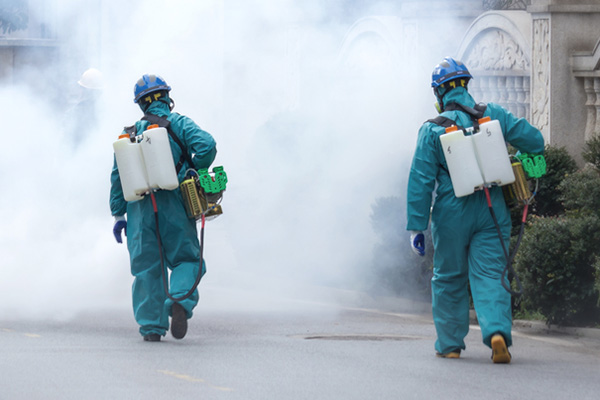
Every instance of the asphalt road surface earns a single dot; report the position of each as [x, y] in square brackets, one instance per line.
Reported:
[249, 346]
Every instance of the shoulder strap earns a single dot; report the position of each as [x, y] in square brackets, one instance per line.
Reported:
[442, 121]
[165, 123]
[475, 113]
[446, 123]
[481, 108]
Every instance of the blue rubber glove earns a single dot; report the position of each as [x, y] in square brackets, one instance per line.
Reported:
[417, 242]
[120, 225]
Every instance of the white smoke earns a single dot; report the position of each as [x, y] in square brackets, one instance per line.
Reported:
[309, 143]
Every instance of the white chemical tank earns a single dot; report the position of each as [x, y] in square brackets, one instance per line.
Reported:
[132, 171]
[158, 158]
[462, 162]
[492, 154]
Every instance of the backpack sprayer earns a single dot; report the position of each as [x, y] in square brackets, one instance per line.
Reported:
[479, 160]
[145, 165]
[203, 192]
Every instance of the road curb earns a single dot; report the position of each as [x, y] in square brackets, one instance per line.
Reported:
[361, 299]
[540, 327]
[397, 304]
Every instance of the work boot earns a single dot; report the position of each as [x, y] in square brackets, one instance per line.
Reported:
[178, 321]
[500, 353]
[152, 337]
[452, 354]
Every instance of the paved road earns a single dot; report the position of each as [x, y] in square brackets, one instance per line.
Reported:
[252, 346]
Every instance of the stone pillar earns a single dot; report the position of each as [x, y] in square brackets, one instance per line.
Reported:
[558, 98]
[594, 120]
[540, 75]
[591, 89]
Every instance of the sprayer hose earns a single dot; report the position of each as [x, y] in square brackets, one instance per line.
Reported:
[509, 258]
[162, 263]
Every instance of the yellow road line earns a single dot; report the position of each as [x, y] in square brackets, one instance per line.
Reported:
[194, 380]
[31, 335]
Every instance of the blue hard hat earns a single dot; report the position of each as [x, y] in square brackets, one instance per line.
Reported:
[149, 84]
[448, 70]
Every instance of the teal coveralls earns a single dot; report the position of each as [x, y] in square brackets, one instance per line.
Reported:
[467, 249]
[178, 233]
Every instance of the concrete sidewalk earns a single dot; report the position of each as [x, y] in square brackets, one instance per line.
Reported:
[540, 327]
[396, 304]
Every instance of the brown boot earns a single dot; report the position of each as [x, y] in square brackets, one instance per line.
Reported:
[452, 354]
[500, 353]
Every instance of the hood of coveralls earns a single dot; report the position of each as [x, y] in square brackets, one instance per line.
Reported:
[458, 95]
[159, 107]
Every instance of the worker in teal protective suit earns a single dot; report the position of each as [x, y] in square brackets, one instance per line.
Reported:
[467, 248]
[178, 233]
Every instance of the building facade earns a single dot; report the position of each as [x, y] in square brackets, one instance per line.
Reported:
[538, 58]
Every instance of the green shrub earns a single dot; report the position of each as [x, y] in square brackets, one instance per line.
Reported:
[396, 270]
[388, 218]
[558, 164]
[591, 152]
[529, 315]
[580, 191]
[556, 264]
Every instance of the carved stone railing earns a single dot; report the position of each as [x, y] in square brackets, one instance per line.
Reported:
[497, 52]
[505, 4]
[509, 91]
[586, 67]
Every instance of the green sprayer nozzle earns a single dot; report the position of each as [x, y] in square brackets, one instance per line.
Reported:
[533, 165]
[214, 182]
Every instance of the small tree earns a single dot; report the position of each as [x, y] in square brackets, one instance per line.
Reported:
[13, 15]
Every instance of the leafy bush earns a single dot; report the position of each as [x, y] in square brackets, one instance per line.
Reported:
[396, 269]
[388, 218]
[558, 164]
[591, 152]
[580, 191]
[556, 263]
